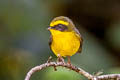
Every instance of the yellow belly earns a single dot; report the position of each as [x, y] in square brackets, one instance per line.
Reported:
[64, 43]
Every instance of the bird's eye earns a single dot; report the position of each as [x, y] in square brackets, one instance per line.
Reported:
[61, 27]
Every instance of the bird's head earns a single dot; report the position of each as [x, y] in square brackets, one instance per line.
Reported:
[61, 24]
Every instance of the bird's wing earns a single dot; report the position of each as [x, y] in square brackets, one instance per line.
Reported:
[80, 39]
[50, 41]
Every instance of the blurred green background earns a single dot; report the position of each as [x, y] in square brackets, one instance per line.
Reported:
[24, 38]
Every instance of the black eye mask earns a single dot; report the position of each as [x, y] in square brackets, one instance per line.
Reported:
[60, 27]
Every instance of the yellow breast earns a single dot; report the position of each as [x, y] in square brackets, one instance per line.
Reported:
[64, 43]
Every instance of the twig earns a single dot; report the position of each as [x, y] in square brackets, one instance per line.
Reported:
[71, 67]
[109, 76]
[49, 59]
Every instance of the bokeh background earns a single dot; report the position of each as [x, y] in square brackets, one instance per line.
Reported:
[24, 38]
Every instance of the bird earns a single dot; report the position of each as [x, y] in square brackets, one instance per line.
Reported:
[65, 39]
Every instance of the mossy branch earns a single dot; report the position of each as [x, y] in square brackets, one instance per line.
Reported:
[71, 67]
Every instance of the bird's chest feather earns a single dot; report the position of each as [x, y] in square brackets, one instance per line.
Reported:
[64, 40]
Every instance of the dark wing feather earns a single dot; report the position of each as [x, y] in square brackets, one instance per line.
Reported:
[80, 38]
[50, 41]
[80, 48]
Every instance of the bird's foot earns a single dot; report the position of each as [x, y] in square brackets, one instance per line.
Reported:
[60, 59]
[69, 62]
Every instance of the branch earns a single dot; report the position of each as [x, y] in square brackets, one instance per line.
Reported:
[109, 76]
[71, 67]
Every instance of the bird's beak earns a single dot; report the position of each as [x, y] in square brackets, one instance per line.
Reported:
[49, 28]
